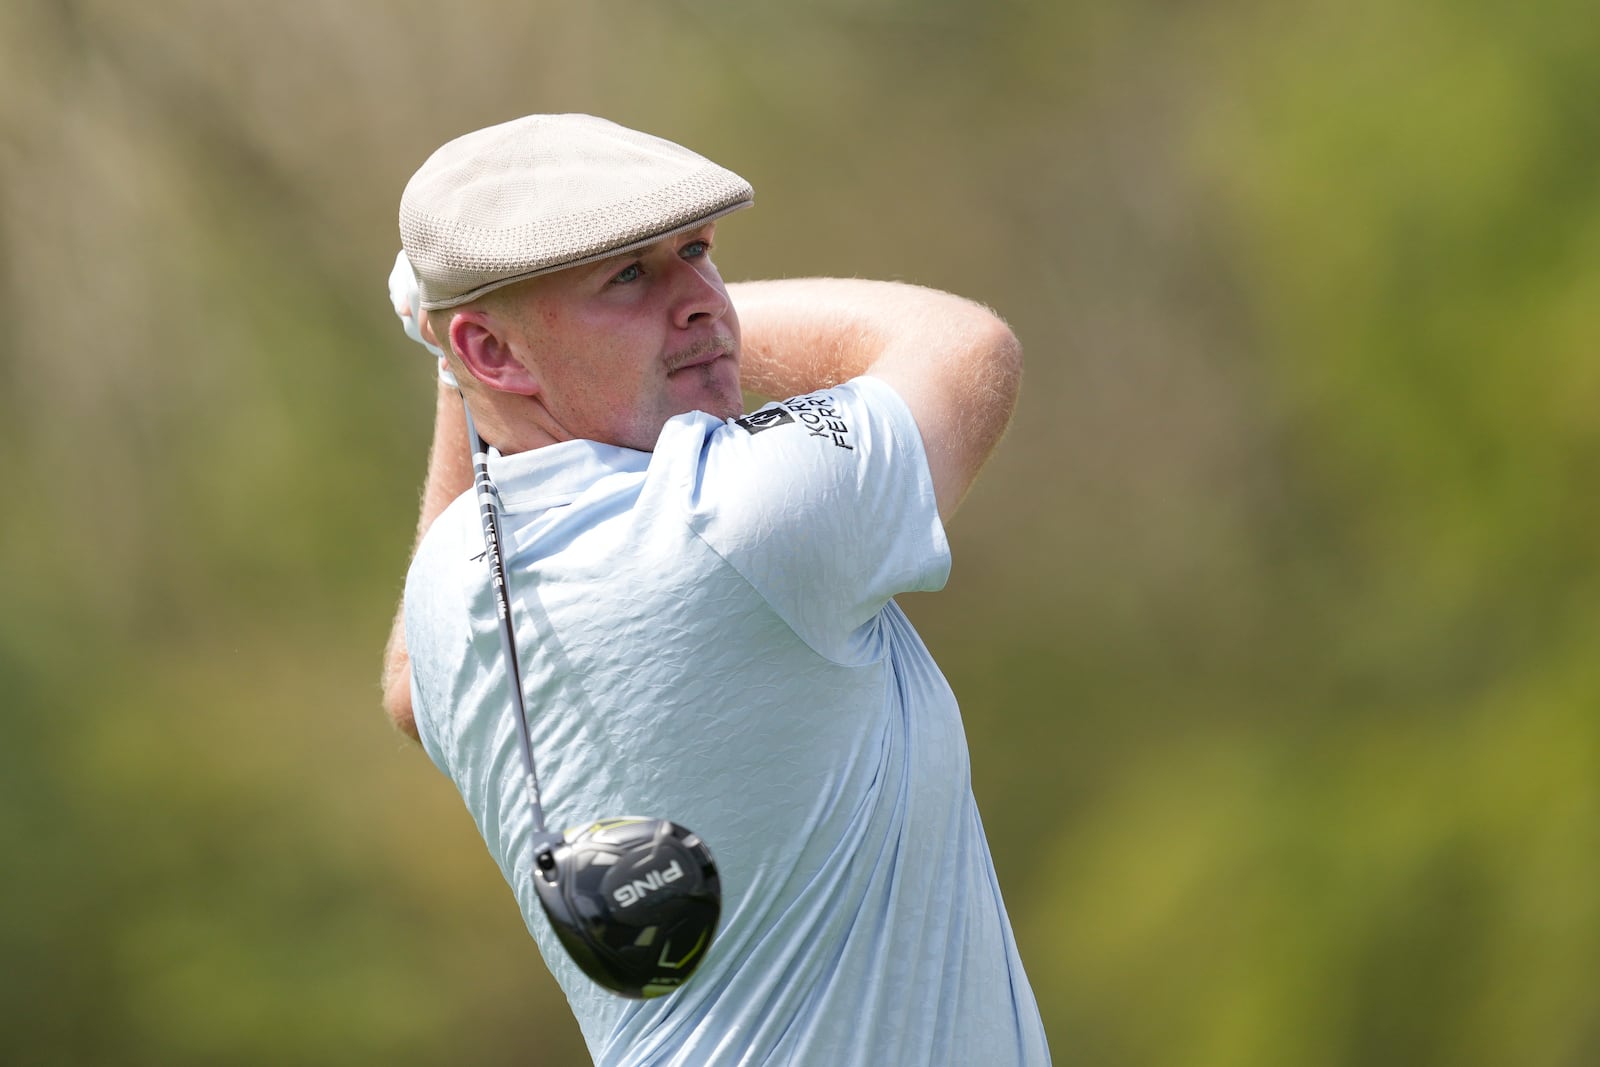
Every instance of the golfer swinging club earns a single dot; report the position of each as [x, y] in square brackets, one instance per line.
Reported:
[698, 627]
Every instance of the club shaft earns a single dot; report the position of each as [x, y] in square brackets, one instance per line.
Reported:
[489, 513]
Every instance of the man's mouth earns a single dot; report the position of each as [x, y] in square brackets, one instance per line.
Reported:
[699, 354]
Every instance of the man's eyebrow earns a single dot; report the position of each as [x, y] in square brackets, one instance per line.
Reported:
[699, 233]
[611, 262]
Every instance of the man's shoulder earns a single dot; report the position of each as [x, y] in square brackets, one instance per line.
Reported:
[827, 413]
[453, 540]
[816, 450]
[838, 427]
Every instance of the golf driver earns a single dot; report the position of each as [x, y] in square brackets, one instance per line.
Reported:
[634, 901]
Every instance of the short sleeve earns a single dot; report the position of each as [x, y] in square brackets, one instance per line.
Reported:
[825, 504]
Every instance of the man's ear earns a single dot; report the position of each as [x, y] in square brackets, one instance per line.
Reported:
[482, 341]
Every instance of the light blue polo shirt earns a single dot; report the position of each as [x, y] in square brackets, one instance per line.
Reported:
[707, 635]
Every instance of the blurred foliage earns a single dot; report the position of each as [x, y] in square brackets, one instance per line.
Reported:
[1274, 621]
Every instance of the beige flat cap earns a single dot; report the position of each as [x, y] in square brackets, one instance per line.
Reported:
[547, 192]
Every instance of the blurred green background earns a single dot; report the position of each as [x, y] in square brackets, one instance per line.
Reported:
[1275, 620]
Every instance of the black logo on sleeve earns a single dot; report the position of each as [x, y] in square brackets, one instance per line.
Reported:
[814, 412]
[765, 419]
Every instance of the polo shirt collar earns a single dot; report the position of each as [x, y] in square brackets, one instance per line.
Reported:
[557, 474]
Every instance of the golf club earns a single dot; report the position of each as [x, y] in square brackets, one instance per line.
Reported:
[635, 901]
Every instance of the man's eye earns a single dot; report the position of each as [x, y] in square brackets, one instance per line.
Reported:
[695, 249]
[626, 274]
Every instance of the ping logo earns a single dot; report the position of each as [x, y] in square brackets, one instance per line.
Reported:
[633, 892]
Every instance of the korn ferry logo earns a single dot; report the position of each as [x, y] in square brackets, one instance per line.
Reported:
[765, 419]
[814, 411]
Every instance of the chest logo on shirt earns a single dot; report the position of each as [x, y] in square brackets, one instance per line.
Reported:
[815, 412]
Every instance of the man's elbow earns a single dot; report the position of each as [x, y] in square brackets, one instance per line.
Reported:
[397, 703]
[992, 384]
[1004, 362]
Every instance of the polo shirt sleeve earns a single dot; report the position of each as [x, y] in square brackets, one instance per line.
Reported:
[824, 503]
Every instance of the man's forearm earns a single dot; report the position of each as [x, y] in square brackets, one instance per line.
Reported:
[955, 363]
[449, 460]
[449, 475]
[802, 334]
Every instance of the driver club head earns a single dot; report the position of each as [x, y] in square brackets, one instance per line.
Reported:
[634, 901]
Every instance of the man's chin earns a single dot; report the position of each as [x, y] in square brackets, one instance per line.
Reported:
[712, 387]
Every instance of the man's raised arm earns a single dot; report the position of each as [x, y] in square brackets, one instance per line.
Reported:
[955, 363]
[449, 475]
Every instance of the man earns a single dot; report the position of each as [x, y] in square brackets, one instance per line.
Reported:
[702, 601]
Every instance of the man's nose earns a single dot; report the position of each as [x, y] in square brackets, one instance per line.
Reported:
[698, 295]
